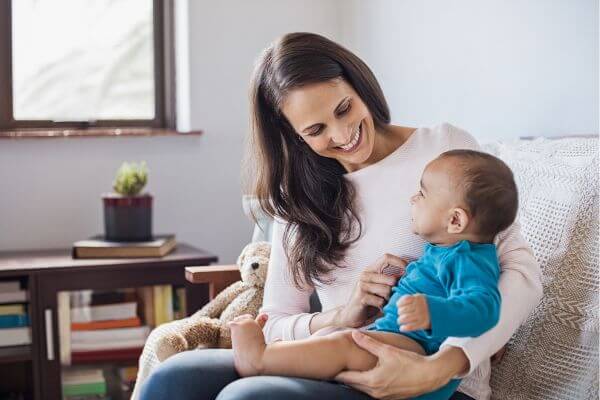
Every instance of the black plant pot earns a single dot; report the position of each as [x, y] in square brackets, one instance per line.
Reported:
[127, 218]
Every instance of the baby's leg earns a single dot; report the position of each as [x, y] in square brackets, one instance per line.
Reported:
[315, 357]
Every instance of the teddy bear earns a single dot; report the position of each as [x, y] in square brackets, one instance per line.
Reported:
[208, 326]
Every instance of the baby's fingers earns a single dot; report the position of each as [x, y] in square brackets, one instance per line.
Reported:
[408, 318]
[405, 301]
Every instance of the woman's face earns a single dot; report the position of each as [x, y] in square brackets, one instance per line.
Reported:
[333, 121]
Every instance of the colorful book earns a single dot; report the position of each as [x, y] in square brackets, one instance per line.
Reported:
[64, 322]
[15, 336]
[116, 345]
[97, 247]
[10, 286]
[13, 321]
[104, 312]
[9, 309]
[85, 382]
[109, 324]
[163, 304]
[146, 296]
[131, 354]
[13, 297]
[179, 304]
[108, 336]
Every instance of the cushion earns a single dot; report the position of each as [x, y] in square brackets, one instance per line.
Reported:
[554, 354]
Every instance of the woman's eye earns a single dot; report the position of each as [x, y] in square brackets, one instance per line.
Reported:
[345, 110]
[420, 193]
[315, 133]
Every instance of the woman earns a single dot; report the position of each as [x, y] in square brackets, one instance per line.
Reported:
[337, 176]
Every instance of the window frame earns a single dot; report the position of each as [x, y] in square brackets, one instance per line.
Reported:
[164, 84]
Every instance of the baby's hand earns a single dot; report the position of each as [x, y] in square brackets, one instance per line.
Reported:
[413, 313]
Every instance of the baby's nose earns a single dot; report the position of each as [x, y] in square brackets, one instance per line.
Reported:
[254, 265]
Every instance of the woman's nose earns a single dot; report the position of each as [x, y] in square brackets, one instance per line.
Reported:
[340, 136]
[413, 198]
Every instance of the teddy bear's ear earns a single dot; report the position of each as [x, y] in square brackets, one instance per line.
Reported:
[242, 256]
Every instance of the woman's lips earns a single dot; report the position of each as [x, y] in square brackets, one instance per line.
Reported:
[358, 142]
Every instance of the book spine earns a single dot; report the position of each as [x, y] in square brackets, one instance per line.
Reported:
[146, 296]
[84, 389]
[14, 321]
[64, 326]
[9, 309]
[13, 297]
[110, 324]
[168, 299]
[159, 314]
[15, 336]
[10, 286]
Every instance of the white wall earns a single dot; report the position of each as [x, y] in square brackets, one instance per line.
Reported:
[51, 188]
[498, 68]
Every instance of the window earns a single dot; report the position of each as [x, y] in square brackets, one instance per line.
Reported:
[78, 64]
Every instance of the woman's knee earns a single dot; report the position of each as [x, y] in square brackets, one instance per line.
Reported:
[191, 374]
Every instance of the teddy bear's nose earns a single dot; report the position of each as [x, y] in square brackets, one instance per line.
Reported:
[254, 265]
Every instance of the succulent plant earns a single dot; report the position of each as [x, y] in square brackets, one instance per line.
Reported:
[131, 178]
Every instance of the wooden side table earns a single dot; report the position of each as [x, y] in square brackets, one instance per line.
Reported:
[45, 273]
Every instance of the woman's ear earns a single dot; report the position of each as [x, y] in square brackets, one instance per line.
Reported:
[458, 221]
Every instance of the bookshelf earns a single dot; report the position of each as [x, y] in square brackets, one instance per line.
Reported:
[56, 284]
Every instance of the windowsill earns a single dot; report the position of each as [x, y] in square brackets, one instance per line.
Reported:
[36, 133]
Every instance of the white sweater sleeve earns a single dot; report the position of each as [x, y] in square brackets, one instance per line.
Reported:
[520, 283]
[286, 305]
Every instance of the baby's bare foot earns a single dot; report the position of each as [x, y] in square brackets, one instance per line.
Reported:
[248, 344]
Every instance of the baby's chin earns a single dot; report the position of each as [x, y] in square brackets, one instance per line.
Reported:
[414, 229]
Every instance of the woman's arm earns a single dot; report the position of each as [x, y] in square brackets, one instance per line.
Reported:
[520, 289]
[286, 305]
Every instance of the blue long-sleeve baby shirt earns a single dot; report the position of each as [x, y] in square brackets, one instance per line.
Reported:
[460, 283]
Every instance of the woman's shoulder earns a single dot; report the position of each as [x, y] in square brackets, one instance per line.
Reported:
[447, 137]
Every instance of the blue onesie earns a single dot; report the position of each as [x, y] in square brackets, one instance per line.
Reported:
[460, 283]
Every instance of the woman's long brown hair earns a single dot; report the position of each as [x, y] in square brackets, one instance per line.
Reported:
[291, 181]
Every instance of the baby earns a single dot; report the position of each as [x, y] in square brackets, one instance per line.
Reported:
[465, 198]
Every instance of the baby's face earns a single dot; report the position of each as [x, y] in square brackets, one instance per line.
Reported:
[432, 204]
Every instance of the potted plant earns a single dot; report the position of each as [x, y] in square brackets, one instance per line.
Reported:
[127, 213]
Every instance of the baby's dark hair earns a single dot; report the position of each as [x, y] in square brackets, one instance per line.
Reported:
[489, 190]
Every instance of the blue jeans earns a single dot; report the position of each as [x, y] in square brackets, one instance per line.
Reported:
[210, 374]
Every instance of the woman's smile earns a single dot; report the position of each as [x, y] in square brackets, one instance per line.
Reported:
[354, 143]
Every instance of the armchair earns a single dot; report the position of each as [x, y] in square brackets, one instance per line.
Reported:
[554, 355]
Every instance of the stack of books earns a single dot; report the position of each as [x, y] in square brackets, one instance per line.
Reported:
[108, 329]
[97, 247]
[162, 303]
[14, 321]
[80, 384]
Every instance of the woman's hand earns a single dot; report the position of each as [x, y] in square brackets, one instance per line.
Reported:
[401, 374]
[372, 291]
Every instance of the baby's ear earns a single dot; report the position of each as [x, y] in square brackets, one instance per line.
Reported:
[458, 221]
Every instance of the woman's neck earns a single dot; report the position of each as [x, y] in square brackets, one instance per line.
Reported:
[386, 142]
